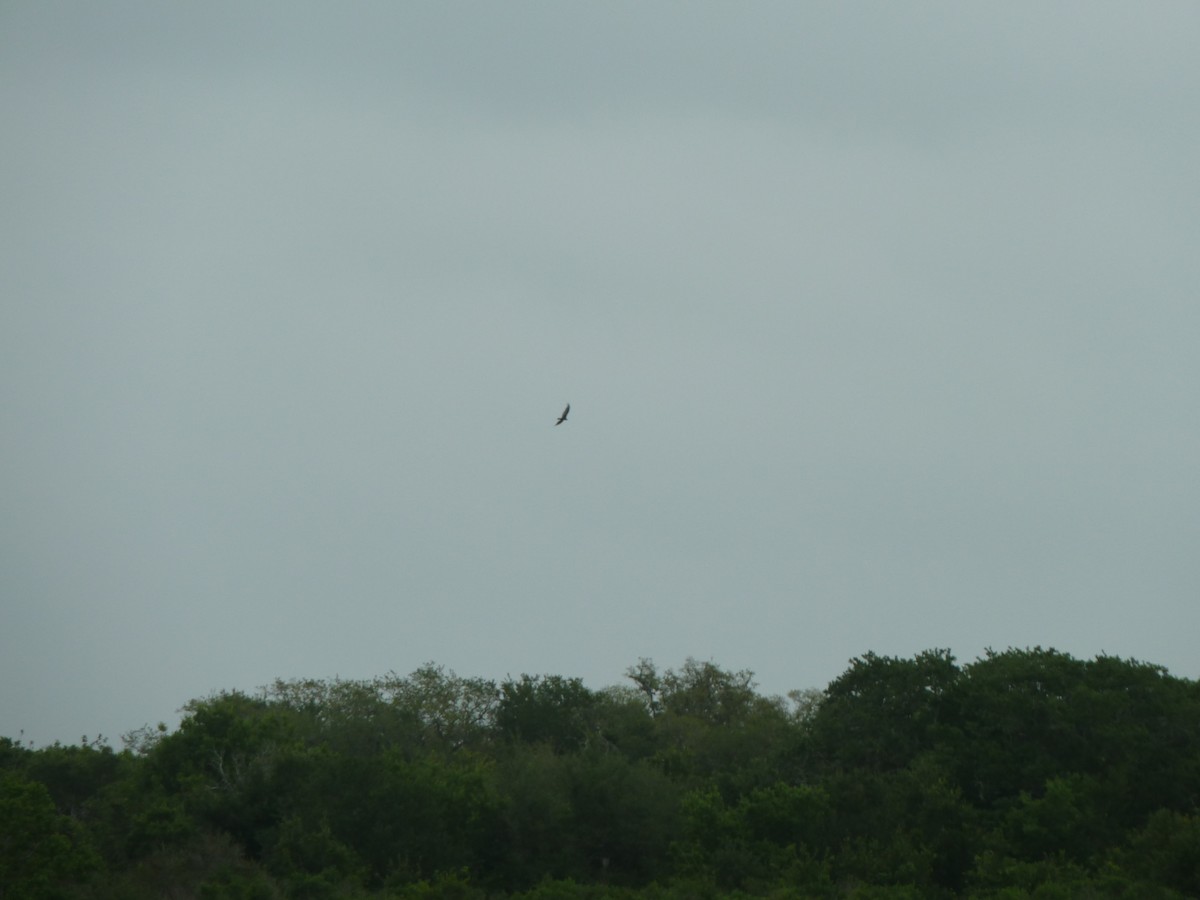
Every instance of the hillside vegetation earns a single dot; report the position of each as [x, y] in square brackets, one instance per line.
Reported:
[1026, 773]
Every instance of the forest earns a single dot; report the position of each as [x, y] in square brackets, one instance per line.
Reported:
[1024, 773]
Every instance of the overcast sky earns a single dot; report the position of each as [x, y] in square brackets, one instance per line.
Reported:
[879, 323]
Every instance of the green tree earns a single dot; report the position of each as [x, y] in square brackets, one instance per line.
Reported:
[1027, 717]
[220, 764]
[883, 711]
[1014, 709]
[624, 723]
[546, 709]
[42, 852]
[705, 691]
[404, 819]
[533, 785]
[623, 817]
[1167, 852]
[359, 718]
[708, 722]
[454, 712]
[1026, 773]
[1067, 820]
[772, 838]
[308, 858]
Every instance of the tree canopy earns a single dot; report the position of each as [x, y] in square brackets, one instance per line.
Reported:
[1025, 773]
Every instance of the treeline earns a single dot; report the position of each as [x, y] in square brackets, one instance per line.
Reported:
[1026, 773]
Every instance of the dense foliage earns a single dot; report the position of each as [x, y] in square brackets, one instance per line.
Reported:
[1026, 773]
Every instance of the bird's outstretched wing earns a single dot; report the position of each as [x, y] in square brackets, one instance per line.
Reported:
[563, 417]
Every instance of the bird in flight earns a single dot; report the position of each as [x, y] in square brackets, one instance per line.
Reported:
[563, 417]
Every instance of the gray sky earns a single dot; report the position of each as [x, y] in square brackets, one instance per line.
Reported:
[878, 321]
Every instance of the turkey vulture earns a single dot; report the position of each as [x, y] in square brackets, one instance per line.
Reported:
[563, 417]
